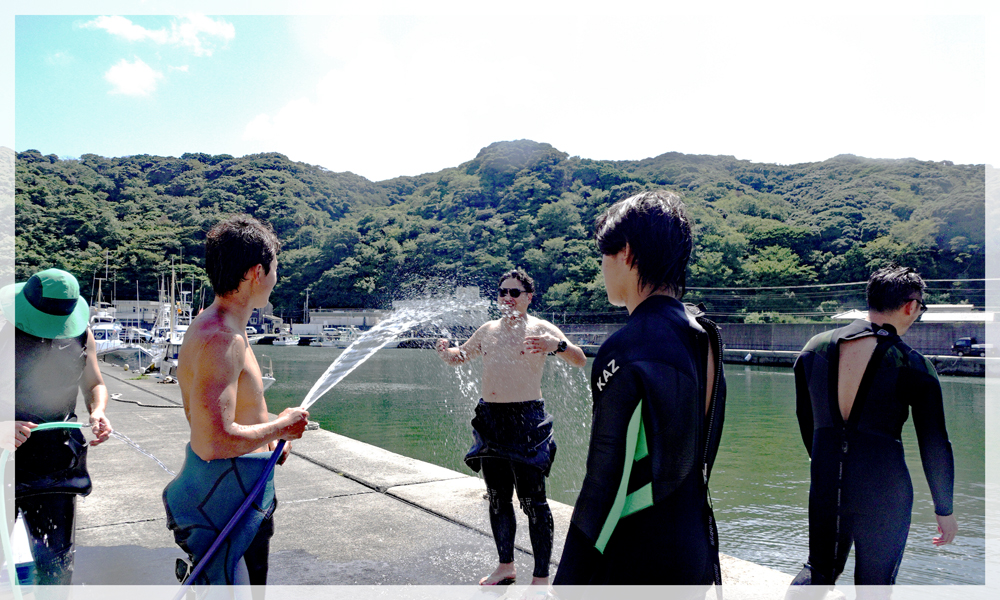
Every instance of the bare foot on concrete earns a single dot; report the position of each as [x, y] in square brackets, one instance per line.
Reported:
[504, 574]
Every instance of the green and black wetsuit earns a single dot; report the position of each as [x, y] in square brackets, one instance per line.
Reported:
[643, 515]
[860, 490]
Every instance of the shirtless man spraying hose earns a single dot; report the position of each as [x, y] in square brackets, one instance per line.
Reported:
[223, 394]
[513, 433]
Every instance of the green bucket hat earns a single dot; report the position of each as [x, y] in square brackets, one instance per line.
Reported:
[48, 305]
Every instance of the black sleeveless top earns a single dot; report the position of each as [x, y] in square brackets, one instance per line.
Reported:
[46, 385]
[47, 376]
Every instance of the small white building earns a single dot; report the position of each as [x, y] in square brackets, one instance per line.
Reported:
[936, 313]
[345, 317]
[138, 313]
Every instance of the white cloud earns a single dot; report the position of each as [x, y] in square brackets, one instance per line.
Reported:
[418, 95]
[260, 129]
[182, 68]
[297, 115]
[132, 78]
[197, 33]
[394, 102]
[124, 28]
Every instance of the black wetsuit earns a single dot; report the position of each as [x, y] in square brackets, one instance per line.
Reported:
[50, 466]
[861, 491]
[514, 447]
[643, 516]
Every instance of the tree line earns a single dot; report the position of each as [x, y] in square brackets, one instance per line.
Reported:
[358, 243]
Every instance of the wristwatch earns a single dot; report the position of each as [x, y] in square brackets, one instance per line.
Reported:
[561, 347]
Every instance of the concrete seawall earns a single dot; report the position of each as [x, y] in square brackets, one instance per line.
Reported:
[945, 365]
[349, 513]
[926, 338]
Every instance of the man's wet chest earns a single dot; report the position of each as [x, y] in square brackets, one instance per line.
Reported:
[507, 345]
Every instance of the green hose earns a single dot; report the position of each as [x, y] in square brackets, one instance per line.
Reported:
[58, 425]
[4, 534]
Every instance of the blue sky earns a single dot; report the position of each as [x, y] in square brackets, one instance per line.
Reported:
[382, 93]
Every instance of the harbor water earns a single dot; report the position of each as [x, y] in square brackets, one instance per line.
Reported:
[410, 402]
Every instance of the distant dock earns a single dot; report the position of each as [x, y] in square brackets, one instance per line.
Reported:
[974, 366]
[777, 344]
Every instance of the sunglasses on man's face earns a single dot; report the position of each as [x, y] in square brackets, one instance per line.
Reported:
[514, 292]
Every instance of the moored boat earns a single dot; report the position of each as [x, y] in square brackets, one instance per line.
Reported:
[285, 340]
[323, 341]
[266, 371]
[107, 332]
[342, 337]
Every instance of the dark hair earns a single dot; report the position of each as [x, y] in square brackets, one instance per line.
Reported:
[891, 287]
[658, 233]
[235, 246]
[520, 275]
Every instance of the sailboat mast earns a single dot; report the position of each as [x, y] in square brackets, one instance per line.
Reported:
[173, 311]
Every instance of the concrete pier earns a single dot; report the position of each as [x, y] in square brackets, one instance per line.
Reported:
[974, 366]
[348, 513]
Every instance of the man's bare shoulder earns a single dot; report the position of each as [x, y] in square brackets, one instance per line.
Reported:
[490, 325]
[210, 359]
[486, 329]
[210, 334]
[538, 325]
[486, 335]
[210, 322]
[214, 338]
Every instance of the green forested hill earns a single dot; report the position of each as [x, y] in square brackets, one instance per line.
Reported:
[361, 243]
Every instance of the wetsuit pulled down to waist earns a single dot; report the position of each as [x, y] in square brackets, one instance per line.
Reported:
[201, 500]
[517, 431]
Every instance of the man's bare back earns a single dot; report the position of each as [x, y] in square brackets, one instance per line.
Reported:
[223, 392]
[854, 358]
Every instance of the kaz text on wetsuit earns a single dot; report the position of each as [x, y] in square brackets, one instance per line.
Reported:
[643, 516]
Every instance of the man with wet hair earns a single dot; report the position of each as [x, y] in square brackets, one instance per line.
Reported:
[643, 515]
[223, 394]
[513, 433]
[854, 389]
[233, 247]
